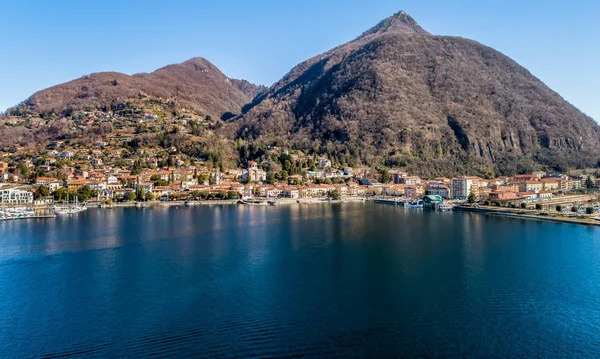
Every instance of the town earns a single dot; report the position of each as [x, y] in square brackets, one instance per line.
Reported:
[102, 177]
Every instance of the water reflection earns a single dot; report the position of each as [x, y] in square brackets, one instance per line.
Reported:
[315, 280]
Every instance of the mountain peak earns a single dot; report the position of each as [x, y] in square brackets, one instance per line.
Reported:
[399, 23]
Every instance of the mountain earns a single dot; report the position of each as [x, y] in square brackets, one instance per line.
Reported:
[437, 105]
[195, 85]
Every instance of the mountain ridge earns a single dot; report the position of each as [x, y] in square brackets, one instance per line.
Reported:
[395, 96]
[416, 98]
[196, 83]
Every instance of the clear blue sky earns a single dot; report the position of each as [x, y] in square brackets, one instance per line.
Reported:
[43, 43]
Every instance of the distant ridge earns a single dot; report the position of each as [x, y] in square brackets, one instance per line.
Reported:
[195, 84]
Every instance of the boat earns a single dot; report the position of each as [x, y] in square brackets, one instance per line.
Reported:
[445, 207]
[71, 210]
[418, 204]
[254, 202]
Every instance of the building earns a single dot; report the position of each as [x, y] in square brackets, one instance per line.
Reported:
[44, 181]
[15, 196]
[432, 201]
[530, 186]
[74, 185]
[254, 175]
[539, 174]
[550, 184]
[323, 163]
[525, 177]
[438, 189]
[394, 189]
[502, 196]
[406, 180]
[463, 186]
[3, 167]
[398, 177]
[273, 192]
[414, 191]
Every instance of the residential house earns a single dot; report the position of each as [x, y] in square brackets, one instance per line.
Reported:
[530, 186]
[502, 196]
[394, 189]
[323, 163]
[291, 192]
[398, 177]
[75, 184]
[550, 184]
[413, 191]
[43, 181]
[436, 188]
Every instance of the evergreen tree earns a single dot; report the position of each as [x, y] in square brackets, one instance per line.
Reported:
[472, 197]
[386, 177]
[589, 182]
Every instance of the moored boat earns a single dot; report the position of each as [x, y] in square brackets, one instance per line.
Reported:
[417, 204]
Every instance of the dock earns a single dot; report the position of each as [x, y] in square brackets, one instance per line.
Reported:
[531, 215]
[45, 216]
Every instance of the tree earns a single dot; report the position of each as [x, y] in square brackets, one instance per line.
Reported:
[589, 182]
[472, 198]
[559, 208]
[574, 209]
[335, 195]
[149, 196]
[60, 194]
[41, 192]
[195, 194]
[386, 177]
[538, 206]
[157, 182]
[283, 175]
[203, 177]
[589, 210]
[140, 194]
[270, 178]
[523, 205]
[232, 195]
[130, 196]
[23, 169]
[84, 193]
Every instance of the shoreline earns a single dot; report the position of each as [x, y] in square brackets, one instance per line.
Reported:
[528, 215]
[280, 201]
[491, 211]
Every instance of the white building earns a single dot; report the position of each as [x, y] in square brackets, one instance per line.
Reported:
[323, 163]
[462, 186]
[15, 196]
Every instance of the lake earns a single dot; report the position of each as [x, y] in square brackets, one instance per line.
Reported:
[330, 280]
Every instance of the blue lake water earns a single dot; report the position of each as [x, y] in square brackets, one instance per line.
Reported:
[342, 280]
